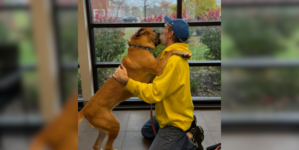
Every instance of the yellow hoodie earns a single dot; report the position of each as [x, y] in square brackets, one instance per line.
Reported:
[170, 91]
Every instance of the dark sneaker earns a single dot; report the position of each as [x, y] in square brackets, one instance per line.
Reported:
[194, 122]
[198, 136]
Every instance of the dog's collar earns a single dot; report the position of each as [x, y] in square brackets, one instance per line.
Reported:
[146, 48]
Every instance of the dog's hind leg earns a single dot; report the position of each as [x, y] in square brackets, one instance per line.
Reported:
[97, 145]
[112, 132]
[110, 125]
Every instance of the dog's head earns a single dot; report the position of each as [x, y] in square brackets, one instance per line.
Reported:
[147, 34]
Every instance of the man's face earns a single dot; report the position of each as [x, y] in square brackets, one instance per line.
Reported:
[164, 36]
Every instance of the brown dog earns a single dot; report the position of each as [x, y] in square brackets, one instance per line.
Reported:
[141, 66]
[62, 132]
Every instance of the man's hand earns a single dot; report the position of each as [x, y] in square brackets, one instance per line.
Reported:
[121, 74]
[158, 58]
[181, 53]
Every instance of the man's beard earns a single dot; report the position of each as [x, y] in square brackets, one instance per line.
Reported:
[162, 39]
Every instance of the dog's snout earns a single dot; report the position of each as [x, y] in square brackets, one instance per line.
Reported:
[157, 39]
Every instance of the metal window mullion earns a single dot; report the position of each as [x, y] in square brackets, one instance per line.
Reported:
[260, 63]
[194, 98]
[92, 46]
[191, 63]
[248, 4]
[179, 8]
[66, 7]
[57, 46]
[14, 7]
[154, 24]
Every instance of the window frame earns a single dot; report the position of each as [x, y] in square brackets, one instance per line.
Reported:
[56, 8]
[95, 65]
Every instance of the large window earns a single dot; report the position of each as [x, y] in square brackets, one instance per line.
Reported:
[131, 11]
[18, 59]
[112, 23]
[66, 26]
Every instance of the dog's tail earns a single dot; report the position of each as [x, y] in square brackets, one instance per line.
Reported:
[80, 117]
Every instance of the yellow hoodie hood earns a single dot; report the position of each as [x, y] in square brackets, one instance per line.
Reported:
[176, 46]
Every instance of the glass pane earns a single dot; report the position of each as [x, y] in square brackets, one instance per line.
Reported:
[16, 30]
[261, 91]
[14, 2]
[201, 10]
[205, 81]
[104, 74]
[80, 95]
[132, 11]
[67, 2]
[111, 43]
[261, 32]
[68, 82]
[30, 88]
[68, 35]
[205, 43]
[67, 49]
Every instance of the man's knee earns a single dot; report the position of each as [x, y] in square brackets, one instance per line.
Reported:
[147, 133]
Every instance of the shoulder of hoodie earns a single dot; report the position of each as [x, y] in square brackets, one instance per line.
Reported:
[175, 60]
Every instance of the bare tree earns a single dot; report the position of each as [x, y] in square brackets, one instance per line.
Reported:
[165, 5]
[147, 3]
[135, 10]
[127, 10]
[118, 3]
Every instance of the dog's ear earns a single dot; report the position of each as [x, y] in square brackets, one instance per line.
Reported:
[141, 31]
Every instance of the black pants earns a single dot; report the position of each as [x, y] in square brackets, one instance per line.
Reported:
[213, 147]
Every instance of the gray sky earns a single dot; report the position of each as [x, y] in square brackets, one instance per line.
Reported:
[139, 3]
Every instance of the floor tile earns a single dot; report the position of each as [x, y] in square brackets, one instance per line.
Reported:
[211, 112]
[117, 144]
[216, 135]
[130, 137]
[123, 118]
[200, 121]
[83, 125]
[86, 140]
[137, 120]
[135, 141]
[213, 121]
[208, 140]
[88, 128]
[80, 133]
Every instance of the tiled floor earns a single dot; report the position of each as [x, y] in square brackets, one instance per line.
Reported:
[130, 138]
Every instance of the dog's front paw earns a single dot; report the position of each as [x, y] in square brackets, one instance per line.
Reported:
[186, 55]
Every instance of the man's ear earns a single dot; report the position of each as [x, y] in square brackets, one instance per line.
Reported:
[171, 34]
[141, 31]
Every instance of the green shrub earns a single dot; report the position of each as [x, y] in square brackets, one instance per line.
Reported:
[109, 44]
[211, 37]
[195, 84]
